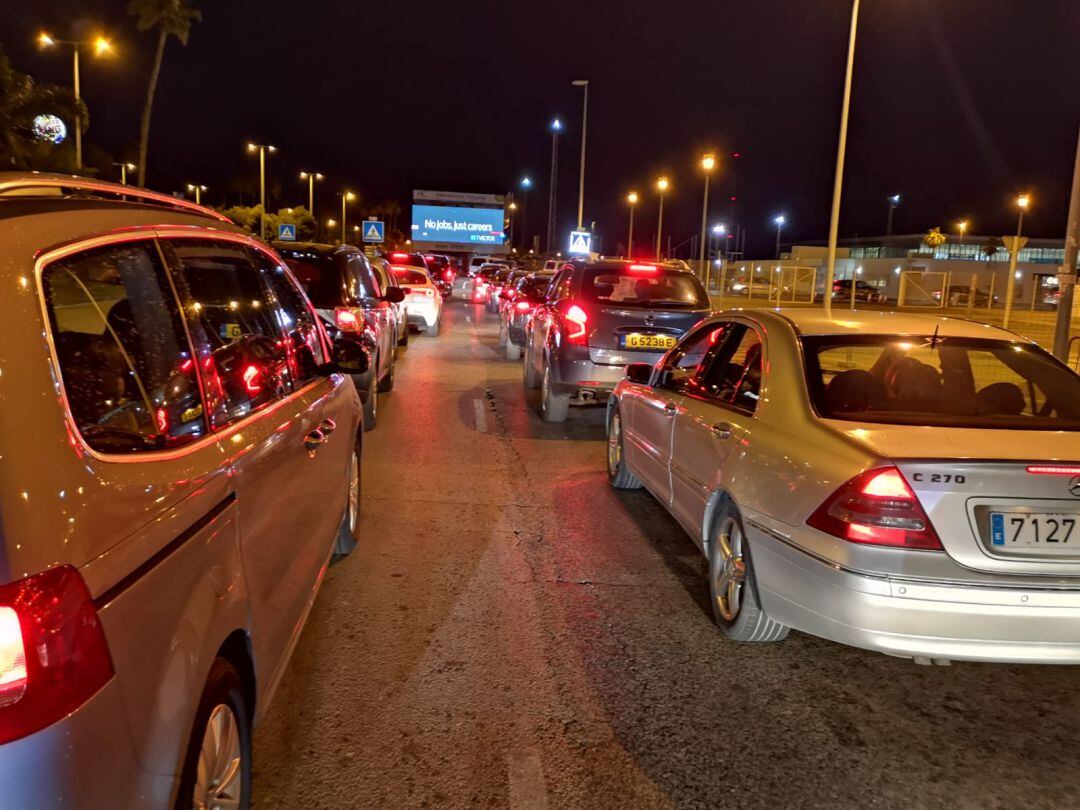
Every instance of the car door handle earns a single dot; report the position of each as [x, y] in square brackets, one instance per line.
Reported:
[671, 408]
[328, 426]
[722, 430]
[313, 441]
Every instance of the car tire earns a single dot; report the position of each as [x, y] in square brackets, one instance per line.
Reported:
[513, 351]
[404, 339]
[386, 384]
[553, 407]
[371, 402]
[733, 586]
[221, 734]
[349, 533]
[503, 338]
[433, 329]
[619, 474]
[531, 379]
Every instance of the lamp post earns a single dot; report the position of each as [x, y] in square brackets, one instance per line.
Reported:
[526, 184]
[1023, 202]
[780, 220]
[662, 185]
[632, 201]
[513, 207]
[708, 163]
[262, 149]
[893, 201]
[311, 177]
[346, 197]
[583, 83]
[962, 229]
[198, 190]
[101, 47]
[556, 128]
[124, 169]
[838, 180]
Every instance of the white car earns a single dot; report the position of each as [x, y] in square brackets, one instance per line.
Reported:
[423, 302]
[903, 483]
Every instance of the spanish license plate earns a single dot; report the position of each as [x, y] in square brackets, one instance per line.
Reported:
[646, 342]
[1045, 530]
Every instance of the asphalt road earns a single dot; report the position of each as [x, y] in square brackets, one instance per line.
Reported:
[512, 633]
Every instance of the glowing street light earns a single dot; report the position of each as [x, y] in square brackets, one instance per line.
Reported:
[632, 201]
[1023, 203]
[124, 169]
[662, 186]
[894, 202]
[197, 190]
[262, 149]
[311, 177]
[708, 163]
[101, 47]
[962, 229]
[779, 221]
[346, 197]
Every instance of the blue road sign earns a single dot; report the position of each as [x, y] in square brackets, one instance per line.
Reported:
[286, 233]
[374, 230]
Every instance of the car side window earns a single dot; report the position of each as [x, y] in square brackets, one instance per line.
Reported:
[305, 349]
[683, 363]
[734, 373]
[369, 281]
[561, 286]
[236, 326]
[123, 356]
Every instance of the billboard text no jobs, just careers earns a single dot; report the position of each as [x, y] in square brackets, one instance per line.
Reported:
[460, 225]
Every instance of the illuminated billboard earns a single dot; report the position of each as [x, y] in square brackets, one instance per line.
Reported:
[457, 225]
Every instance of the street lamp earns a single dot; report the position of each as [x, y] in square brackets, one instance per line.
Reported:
[512, 208]
[779, 221]
[584, 83]
[346, 197]
[1023, 202]
[101, 47]
[198, 191]
[962, 228]
[124, 169]
[893, 201]
[526, 184]
[662, 186]
[556, 128]
[311, 177]
[262, 149]
[838, 179]
[708, 163]
[632, 201]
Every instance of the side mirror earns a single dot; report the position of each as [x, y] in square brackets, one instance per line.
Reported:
[395, 295]
[640, 373]
[350, 356]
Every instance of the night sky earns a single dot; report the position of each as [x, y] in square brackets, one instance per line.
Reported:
[957, 104]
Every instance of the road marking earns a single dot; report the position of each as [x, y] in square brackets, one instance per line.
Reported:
[481, 415]
[527, 788]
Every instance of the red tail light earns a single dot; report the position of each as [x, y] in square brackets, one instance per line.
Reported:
[878, 508]
[252, 379]
[53, 654]
[575, 321]
[644, 269]
[523, 306]
[346, 320]
[422, 291]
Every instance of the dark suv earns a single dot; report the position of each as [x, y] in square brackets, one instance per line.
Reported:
[598, 317]
[346, 292]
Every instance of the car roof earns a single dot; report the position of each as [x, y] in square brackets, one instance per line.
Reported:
[313, 247]
[812, 321]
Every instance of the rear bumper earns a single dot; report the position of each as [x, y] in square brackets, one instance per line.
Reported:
[423, 314]
[574, 371]
[913, 618]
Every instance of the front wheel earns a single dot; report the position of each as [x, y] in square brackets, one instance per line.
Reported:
[513, 351]
[349, 532]
[371, 401]
[217, 767]
[733, 587]
[619, 474]
[386, 384]
[404, 339]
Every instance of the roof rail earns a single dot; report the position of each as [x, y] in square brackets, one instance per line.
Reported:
[14, 182]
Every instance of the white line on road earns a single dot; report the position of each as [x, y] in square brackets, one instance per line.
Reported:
[527, 788]
[481, 415]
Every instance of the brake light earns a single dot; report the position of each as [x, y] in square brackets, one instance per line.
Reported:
[644, 269]
[877, 507]
[161, 416]
[523, 306]
[421, 291]
[251, 379]
[1053, 469]
[399, 256]
[346, 320]
[53, 654]
[575, 322]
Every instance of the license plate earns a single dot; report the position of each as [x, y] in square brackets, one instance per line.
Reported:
[1045, 530]
[640, 340]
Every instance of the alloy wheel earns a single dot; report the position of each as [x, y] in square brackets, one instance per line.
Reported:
[729, 570]
[354, 492]
[218, 783]
[614, 445]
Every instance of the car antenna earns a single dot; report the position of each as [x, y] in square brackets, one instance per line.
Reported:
[934, 337]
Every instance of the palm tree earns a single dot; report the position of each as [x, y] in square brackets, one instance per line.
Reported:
[21, 100]
[170, 17]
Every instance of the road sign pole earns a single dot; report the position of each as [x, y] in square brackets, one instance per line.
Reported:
[1067, 274]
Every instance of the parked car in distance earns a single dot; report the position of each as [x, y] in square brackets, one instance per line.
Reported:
[517, 305]
[422, 298]
[596, 318]
[841, 291]
[171, 382]
[346, 292]
[902, 483]
[959, 295]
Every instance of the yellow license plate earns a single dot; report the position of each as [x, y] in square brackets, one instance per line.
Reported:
[636, 340]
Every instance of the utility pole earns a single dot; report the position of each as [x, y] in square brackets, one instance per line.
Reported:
[1067, 274]
[556, 127]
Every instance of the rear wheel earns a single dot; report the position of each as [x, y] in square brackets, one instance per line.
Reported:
[433, 329]
[503, 339]
[404, 339]
[531, 378]
[217, 767]
[618, 473]
[553, 407]
[513, 351]
[733, 587]
[371, 400]
[348, 532]
[387, 382]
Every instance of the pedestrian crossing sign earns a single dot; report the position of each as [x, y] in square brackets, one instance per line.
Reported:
[580, 243]
[286, 232]
[374, 230]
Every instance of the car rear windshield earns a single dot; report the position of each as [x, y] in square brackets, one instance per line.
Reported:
[407, 260]
[321, 277]
[647, 287]
[947, 382]
[406, 276]
[535, 287]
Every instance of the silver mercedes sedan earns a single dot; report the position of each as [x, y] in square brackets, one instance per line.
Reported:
[902, 483]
